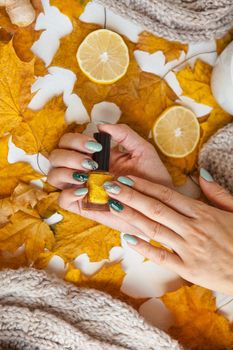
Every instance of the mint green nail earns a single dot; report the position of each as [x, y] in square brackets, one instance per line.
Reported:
[81, 192]
[130, 239]
[112, 187]
[90, 164]
[80, 177]
[115, 205]
[126, 181]
[206, 175]
[93, 146]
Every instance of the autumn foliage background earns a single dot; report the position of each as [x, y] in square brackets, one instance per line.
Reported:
[141, 97]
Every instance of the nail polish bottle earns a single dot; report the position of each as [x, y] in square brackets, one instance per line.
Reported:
[97, 197]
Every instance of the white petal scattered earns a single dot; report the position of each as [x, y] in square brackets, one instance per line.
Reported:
[199, 109]
[37, 161]
[55, 25]
[82, 262]
[156, 313]
[94, 13]
[106, 112]
[57, 265]
[198, 50]
[76, 112]
[53, 219]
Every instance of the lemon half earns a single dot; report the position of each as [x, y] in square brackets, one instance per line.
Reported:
[103, 56]
[176, 132]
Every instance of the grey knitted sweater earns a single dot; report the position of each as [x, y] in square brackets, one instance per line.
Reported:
[40, 312]
[217, 157]
[182, 20]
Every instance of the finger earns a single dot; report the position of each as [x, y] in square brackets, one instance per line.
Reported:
[71, 159]
[165, 194]
[214, 192]
[126, 137]
[69, 200]
[150, 207]
[79, 142]
[152, 229]
[158, 255]
[63, 177]
[71, 196]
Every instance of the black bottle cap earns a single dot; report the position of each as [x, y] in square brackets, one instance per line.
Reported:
[102, 157]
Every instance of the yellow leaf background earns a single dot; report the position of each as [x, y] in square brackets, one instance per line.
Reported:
[25, 237]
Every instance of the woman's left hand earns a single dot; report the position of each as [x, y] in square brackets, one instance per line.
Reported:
[200, 235]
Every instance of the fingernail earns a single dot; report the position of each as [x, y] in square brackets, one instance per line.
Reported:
[115, 205]
[80, 177]
[206, 175]
[81, 192]
[112, 187]
[130, 239]
[126, 181]
[90, 164]
[93, 146]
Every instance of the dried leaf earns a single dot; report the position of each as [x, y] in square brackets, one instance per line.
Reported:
[151, 43]
[108, 279]
[224, 41]
[41, 131]
[29, 230]
[23, 40]
[76, 235]
[24, 198]
[198, 326]
[73, 10]
[15, 83]
[12, 174]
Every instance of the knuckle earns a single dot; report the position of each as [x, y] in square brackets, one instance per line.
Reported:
[155, 231]
[166, 194]
[129, 195]
[51, 178]
[63, 140]
[53, 156]
[156, 209]
[161, 256]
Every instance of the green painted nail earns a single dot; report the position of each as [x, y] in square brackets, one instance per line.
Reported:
[90, 164]
[80, 177]
[81, 192]
[126, 181]
[93, 146]
[115, 205]
[206, 175]
[112, 187]
[130, 239]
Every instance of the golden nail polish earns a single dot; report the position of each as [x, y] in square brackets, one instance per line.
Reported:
[97, 197]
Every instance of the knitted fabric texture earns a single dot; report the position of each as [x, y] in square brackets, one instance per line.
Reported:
[40, 312]
[217, 157]
[182, 20]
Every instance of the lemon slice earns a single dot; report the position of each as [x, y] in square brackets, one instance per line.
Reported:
[103, 56]
[176, 132]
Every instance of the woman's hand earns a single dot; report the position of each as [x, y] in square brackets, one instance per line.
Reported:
[72, 161]
[201, 236]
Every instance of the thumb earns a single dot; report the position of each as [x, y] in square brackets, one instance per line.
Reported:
[125, 136]
[214, 192]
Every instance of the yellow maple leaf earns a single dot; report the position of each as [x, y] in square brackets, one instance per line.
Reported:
[15, 83]
[152, 43]
[109, 279]
[198, 326]
[76, 235]
[224, 41]
[24, 198]
[27, 229]
[23, 40]
[41, 131]
[73, 10]
[12, 174]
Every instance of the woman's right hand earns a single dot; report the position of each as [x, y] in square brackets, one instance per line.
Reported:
[72, 161]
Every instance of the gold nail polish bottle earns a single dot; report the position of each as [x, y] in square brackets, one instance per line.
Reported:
[97, 197]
